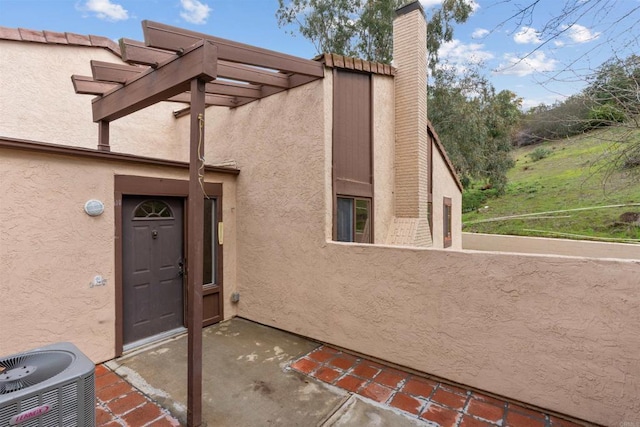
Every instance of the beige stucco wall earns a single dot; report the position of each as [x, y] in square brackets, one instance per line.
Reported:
[37, 102]
[545, 246]
[557, 332]
[445, 186]
[51, 250]
[383, 155]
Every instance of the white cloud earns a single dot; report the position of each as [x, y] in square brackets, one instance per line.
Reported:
[479, 33]
[580, 34]
[537, 62]
[459, 53]
[558, 43]
[527, 35]
[194, 11]
[104, 9]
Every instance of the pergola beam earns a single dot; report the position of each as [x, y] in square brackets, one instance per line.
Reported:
[87, 86]
[137, 53]
[117, 73]
[177, 39]
[210, 99]
[155, 85]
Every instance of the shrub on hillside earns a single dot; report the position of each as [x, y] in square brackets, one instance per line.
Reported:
[473, 199]
[539, 154]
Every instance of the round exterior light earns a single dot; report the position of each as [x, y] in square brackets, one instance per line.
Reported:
[94, 207]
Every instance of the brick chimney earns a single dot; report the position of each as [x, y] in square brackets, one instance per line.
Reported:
[411, 224]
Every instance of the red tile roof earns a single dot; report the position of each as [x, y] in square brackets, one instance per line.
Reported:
[52, 37]
[333, 60]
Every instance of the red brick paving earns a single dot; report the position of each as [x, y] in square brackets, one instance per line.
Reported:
[305, 366]
[344, 361]
[468, 421]
[485, 410]
[406, 403]
[454, 401]
[515, 419]
[377, 392]
[441, 415]
[419, 387]
[390, 379]
[328, 375]
[445, 405]
[119, 404]
[366, 370]
[350, 383]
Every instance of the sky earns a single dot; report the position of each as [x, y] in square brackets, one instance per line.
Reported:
[539, 59]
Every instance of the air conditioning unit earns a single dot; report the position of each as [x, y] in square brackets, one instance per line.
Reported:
[52, 386]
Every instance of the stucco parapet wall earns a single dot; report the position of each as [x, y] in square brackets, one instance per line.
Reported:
[52, 37]
[542, 246]
[333, 60]
[19, 144]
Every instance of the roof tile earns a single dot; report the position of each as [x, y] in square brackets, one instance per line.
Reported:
[32, 35]
[333, 60]
[9, 33]
[78, 39]
[55, 37]
[105, 42]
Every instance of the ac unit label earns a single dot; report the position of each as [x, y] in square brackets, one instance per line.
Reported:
[30, 414]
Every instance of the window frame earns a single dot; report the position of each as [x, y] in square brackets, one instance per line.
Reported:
[447, 222]
[368, 229]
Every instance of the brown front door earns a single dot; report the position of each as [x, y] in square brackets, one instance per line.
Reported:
[152, 244]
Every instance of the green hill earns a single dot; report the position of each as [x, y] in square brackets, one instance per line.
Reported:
[573, 178]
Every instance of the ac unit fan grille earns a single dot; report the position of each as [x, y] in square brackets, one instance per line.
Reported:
[29, 369]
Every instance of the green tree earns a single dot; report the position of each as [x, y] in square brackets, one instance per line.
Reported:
[363, 28]
[476, 124]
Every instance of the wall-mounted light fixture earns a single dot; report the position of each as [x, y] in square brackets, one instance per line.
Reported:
[94, 207]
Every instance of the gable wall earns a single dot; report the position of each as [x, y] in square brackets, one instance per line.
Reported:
[38, 102]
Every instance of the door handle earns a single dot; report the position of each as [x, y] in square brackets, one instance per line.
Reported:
[181, 269]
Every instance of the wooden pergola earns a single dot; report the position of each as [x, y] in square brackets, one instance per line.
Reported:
[179, 65]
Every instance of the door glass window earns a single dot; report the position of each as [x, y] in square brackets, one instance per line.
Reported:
[150, 209]
[210, 241]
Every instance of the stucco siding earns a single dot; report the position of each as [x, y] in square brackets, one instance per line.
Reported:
[383, 155]
[38, 102]
[51, 250]
[556, 332]
[445, 186]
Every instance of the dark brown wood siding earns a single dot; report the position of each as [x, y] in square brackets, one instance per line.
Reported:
[352, 154]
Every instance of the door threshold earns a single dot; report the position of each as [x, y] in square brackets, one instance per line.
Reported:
[152, 340]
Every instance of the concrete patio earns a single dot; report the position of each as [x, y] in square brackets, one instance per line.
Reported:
[259, 376]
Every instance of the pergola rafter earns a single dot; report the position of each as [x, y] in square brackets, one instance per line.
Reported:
[183, 66]
[248, 73]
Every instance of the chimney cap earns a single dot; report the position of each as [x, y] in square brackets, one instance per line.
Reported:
[410, 7]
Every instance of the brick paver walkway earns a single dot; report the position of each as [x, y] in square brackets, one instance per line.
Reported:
[120, 404]
[438, 402]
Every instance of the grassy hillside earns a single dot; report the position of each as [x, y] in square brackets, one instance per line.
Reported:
[571, 178]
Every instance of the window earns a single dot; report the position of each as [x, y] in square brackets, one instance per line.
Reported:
[152, 209]
[352, 156]
[210, 264]
[446, 220]
[354, 220]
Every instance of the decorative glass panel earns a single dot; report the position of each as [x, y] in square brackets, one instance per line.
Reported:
[210, 241]
[345, 220]
[152, 209]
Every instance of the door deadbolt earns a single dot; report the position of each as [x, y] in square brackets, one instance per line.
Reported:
[154, 234]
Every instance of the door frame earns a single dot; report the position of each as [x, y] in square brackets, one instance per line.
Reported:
[128, 185]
